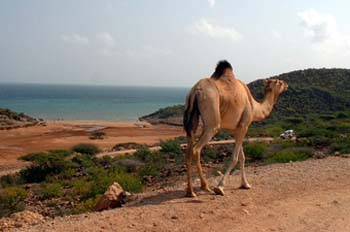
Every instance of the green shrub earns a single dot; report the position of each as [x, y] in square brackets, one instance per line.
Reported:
[223, 135]
[44, 164]
[209, 154]
[51, 191]
[341, 145]
[81, 189]
[12, 200]
[127, 146]
[10, 180]
[171, 147]
[181, 139]
[146, 155]
[85, 206]
[150, 170]
[255, 151]
[290, 155]
[129, 182]
[86, 148]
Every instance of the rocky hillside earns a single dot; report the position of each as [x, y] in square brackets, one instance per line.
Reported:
[311, 91]
[10, 119]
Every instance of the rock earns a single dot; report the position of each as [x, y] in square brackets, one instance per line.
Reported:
[246, 211]
[20, 219]
[319, 155]
[114, 197]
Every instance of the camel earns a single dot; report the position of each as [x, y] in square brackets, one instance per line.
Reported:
[224, 102]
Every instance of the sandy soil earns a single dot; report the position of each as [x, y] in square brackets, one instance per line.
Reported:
[313, 195]
[64, 134]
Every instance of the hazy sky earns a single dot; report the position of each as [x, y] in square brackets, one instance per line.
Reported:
[167, 42]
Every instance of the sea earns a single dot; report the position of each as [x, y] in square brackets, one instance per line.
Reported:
[72, 102]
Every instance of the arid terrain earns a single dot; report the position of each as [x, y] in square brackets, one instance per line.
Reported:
[65, 134]
[313, 195]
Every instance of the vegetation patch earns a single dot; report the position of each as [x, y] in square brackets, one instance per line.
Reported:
[86, 148]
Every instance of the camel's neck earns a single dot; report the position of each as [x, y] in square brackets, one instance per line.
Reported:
[262, 110]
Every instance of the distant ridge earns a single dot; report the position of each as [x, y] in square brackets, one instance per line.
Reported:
[11, 120]
[310, 91]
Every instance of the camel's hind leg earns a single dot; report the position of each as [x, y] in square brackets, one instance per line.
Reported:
[206, 136]
[189, 154]
[210, 114]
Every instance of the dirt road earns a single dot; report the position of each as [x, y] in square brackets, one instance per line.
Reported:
[313, 195]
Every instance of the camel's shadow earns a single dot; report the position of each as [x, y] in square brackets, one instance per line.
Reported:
[170, 197]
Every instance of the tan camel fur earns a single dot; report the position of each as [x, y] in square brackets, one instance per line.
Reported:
[224, 102]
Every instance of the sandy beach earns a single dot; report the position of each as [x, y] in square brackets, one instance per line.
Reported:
[65, 134]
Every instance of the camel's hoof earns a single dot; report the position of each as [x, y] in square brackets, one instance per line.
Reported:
[190, 194]
[219, 191]
[207, 189]
[245, 186]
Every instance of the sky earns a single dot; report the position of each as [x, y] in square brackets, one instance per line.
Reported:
[166, 42]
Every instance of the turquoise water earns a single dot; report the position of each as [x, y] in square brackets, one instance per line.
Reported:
[68, 102]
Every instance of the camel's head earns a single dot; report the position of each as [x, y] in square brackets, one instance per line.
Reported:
[276, 86]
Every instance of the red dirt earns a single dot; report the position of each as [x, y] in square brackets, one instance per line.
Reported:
[65, 134]
[313, 195]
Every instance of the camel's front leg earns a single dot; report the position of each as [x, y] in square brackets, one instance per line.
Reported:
[244, 182]
[220, 188]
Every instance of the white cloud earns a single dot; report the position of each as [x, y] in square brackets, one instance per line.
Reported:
[322, 29]
[107, 39]
[276, 34]
[75, 39]
[107, 44]
[211, 3]
[215, 31]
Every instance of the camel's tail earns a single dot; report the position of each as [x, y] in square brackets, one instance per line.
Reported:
[191, 114]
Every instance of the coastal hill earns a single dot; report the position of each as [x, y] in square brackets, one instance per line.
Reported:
[10, 119]
[310, 91]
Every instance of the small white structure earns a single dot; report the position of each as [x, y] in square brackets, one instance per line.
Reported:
[288, 134]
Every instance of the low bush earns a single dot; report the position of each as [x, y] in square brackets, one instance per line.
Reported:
[341, 145]
[12, 200]
[85, 206]
[171, 148]
[209, 154]
[97, 135]
[223, 135]
[10, 180]
[127, 146]
[290, 155]
[255, 151]
[86, 148]
[44, 164]
[129, 182]
[51, 190]
[146, 155]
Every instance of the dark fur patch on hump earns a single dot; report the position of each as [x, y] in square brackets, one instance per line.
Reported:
[220, 68]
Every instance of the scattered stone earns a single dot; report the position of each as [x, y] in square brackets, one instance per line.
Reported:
[319, 155]
[20, 219]
[174, 217]
[244, 203]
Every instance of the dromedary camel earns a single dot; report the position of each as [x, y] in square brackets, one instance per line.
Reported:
[222, 101]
